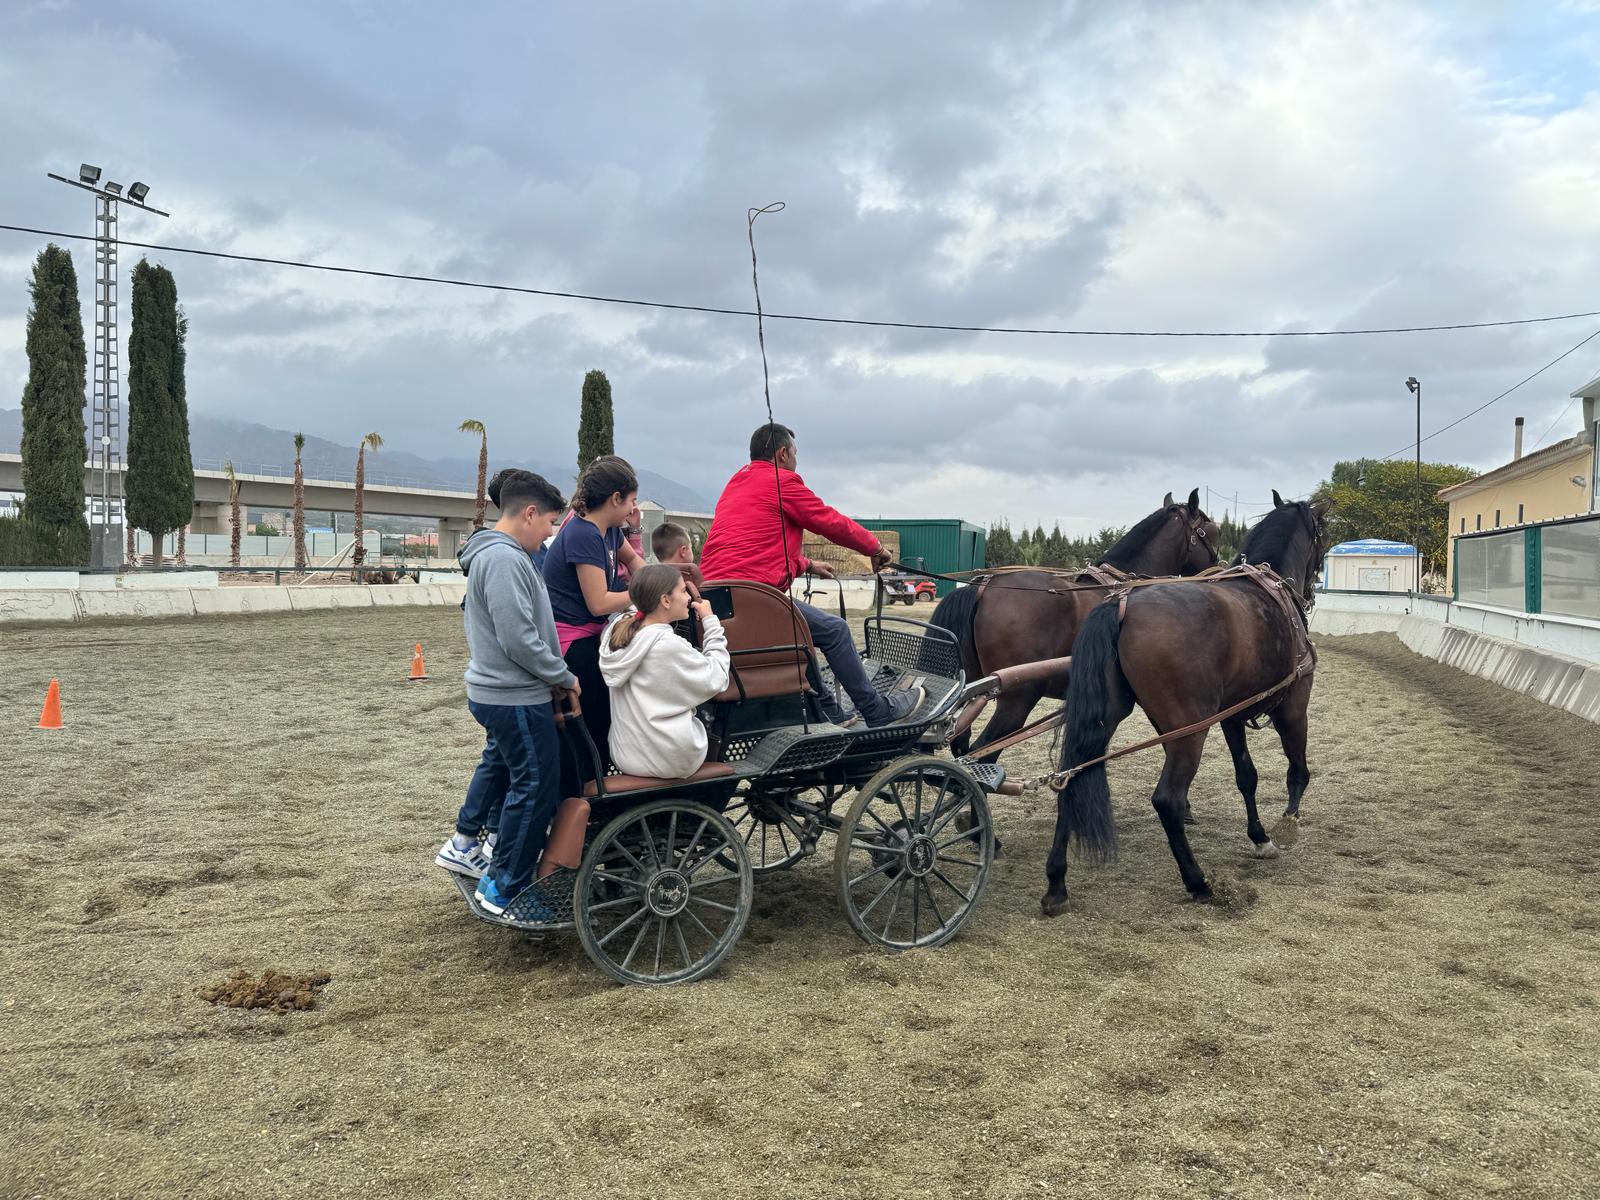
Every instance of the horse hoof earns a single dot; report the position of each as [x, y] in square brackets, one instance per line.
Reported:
[1053, 906]
[1203, 896]
[1267, 849]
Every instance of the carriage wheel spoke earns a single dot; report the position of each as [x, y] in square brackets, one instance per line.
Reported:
[938, 874]
[966, 835]
[706, 929]
[683, 944]
[635, 884]
[672, 839]
[649, 842]
[643, 910]
[879, 820]
[894, 794]
[727, 908]
[894, 908]
[954, 812]
[612, 904]
[784, 838]
[633, 949]
[661, 937]
[933, 902]
[705, 883]
[916, 907]
[694, 841]
[938, 805]
[965, 862]
[711, 855]
[916, 807]
[628, 854]
[877, 870]
[887, 888]
[877, 848]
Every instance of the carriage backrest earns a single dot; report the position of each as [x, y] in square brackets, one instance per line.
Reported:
[769, 642]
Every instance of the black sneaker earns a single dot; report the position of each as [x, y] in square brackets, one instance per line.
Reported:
[902, 705]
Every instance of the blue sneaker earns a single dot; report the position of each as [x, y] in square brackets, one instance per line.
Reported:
[526, 907]
[490, 897]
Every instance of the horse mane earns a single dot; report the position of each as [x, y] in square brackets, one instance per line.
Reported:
[1272, 536]
[1124, 548]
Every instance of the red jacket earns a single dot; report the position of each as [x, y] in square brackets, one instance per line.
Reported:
[743, 542]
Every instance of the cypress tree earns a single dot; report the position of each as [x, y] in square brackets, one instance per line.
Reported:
[596, 435]
[160, 490]
[53, 399]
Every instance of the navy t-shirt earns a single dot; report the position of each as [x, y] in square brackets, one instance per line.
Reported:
[577, 543]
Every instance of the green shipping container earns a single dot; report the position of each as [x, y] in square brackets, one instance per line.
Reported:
[946, 546]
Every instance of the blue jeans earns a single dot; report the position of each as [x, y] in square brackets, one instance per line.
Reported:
[516, 788]
[832, 636]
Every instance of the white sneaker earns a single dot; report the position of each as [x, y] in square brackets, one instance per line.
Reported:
[486, 848]
[469, 862]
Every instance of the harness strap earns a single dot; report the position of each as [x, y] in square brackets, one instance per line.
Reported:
[1059, 779]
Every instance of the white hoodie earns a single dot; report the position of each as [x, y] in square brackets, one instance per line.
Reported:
[656, 682]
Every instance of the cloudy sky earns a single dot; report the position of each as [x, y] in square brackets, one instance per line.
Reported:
[1109, 166]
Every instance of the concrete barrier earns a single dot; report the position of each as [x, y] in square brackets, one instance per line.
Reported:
[236, 601]
[175, 602]
[38, 606]
[29, 581]
[1555, 679]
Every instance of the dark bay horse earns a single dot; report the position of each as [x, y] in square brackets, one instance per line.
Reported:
[1184, 652]
[1017, 618]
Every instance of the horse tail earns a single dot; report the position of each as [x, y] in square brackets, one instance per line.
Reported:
[1096, 675]
[958, 613]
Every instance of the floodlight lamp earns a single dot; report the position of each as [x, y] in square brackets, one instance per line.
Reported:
[138, 191]
[1412, 385]
[88, 173]
[114, 189]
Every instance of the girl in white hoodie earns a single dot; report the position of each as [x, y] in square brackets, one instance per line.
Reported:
[657, 679]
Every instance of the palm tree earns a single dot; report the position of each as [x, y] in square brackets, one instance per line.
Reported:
[233, 513]
[483, 468]
[183, 547]
[376, 443]
[299, 505]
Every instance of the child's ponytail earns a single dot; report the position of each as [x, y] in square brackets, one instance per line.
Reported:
[647, 589]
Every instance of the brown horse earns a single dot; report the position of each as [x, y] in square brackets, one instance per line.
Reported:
[1017, 618]
[1184, 652]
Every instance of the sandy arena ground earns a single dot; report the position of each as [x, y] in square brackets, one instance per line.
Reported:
[1409, 1008]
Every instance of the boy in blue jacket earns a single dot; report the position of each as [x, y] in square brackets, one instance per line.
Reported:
[515, 674]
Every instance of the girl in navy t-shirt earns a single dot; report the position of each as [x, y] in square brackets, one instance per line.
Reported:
[580, 573]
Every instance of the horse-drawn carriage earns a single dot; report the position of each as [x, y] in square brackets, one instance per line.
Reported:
[664, 885]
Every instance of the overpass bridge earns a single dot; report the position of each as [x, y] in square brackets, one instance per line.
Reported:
[452, 510]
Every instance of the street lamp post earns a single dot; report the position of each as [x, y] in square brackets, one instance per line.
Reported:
[105, 429]
[1414, 386]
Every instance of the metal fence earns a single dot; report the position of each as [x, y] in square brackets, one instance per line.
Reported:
[1548, 568]
[204, 545]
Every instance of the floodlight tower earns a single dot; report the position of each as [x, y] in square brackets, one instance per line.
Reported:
[105, 426]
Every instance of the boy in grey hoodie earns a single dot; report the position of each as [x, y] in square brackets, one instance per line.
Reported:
[514, 675]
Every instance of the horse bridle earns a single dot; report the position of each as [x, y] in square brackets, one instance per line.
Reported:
[1197, 530]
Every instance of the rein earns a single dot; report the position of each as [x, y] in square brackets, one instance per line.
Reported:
[1305, 662]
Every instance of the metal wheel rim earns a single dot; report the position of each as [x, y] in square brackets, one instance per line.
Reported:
[664, 893]
[909, 875]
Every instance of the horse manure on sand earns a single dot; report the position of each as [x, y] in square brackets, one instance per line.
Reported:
[271, 989]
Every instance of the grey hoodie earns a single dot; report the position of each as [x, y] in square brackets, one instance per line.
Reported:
[511, 632]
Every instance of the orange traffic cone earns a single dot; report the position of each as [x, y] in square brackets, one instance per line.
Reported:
[418, 671]
[50, 718]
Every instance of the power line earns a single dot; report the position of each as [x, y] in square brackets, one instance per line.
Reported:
[716, 310]
[1553, 424]
[1496, 399]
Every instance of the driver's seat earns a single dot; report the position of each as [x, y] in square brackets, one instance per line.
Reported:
[769, 643]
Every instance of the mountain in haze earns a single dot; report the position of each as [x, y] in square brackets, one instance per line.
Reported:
[259, 450]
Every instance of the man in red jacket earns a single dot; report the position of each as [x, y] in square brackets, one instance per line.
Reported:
[741, 545]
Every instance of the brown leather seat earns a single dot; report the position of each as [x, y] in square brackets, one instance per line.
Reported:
[639, 783]
[764, 620]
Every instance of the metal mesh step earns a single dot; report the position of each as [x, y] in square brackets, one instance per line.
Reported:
[989, 775]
